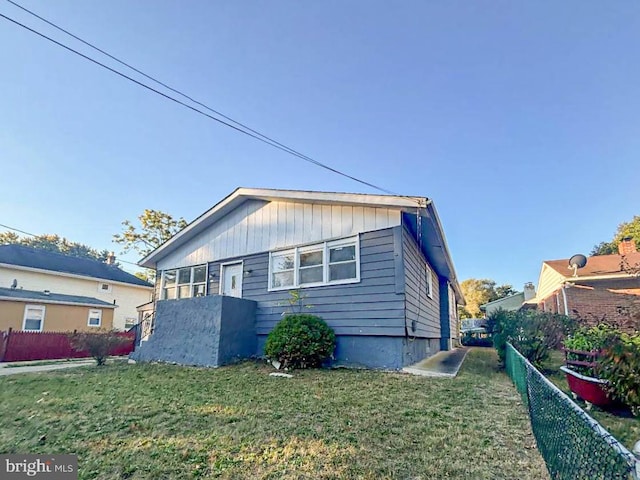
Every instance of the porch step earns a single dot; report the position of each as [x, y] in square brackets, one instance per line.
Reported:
[442, 364]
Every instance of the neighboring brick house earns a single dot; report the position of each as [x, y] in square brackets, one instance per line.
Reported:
[605, 290]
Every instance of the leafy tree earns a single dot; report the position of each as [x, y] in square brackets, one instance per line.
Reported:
[155, 228]
[626, 229]
[54, 243]
[480, 291]
[147, 276]
[505, 290]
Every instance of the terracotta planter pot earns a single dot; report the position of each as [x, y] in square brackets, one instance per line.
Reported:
[589, 389]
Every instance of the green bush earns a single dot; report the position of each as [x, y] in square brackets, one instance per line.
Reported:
[533, 333]
[300, 341]
[470, 340]
[620, 365]
[589, 339]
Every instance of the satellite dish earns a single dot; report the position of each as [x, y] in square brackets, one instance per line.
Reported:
[576, 262]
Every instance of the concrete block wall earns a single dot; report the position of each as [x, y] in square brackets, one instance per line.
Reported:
[204, 331]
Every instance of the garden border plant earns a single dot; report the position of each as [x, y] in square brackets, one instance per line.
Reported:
[300, 341]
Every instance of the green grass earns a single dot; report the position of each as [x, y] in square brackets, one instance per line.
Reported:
[163, 421]
[619, 422]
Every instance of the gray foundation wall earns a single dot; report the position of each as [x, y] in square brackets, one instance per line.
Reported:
[377, 352]
[205, 331]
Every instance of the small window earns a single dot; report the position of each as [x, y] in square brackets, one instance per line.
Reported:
[95, 318]
[282, 269]
[342, 263]
[169, 290]
[130, 322]
[104, 287]
[33, 318]
[184, 283]
[311, 267]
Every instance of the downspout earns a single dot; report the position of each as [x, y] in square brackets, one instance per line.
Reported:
[564, 297]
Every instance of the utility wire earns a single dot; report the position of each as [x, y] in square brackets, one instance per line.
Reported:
[240, 128]
[17, 230]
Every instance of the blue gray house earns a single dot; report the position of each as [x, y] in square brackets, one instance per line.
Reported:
[375, 267]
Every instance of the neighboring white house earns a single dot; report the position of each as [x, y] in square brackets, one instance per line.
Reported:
[512, 302]
[29, 268]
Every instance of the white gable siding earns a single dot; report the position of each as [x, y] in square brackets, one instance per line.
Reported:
[549, 281]
[259, 226]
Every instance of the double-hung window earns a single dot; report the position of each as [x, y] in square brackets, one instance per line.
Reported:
[95, 318]
[184, 282]
[33, 318]
[325, 263]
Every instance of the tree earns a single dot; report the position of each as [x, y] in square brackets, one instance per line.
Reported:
[156, 227]
[480, 291]
[625, 229]
[54, 243]
[505, 290]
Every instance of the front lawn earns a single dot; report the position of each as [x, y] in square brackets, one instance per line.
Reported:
[163, 421]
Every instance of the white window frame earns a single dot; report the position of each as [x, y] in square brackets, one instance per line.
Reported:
[92, 314]
[42, 308]
[429, 274]
[325, 247]
[103, 290]
[191, 283]
[132, 320]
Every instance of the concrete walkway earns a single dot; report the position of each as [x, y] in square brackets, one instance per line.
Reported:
[44, 368]
[442, 364]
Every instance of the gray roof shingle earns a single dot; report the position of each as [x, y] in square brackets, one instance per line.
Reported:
[23, 256]
[31, 295]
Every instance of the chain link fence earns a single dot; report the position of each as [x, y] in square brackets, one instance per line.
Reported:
[573, 445]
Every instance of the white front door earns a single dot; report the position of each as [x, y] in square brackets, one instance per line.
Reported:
[231, 280]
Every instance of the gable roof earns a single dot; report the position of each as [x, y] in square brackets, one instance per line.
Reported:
[29, 257]
[598, 266]
[434, 245]
[55, 298]
[516, 297]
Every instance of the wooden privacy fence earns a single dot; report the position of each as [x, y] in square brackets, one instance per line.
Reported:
[16, 346]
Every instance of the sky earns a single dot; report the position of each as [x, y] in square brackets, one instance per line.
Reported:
[520, 120]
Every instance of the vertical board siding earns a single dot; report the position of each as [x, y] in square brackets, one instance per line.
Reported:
[260, 226]
[370, 307]
[419, 306]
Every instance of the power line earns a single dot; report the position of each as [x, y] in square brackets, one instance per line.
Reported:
[17, 230]
[240, 128]
[34, 235]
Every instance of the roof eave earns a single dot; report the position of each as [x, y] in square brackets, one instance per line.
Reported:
[48, 301]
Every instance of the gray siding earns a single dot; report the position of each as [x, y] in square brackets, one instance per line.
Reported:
[370, 307]
[422, 309]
